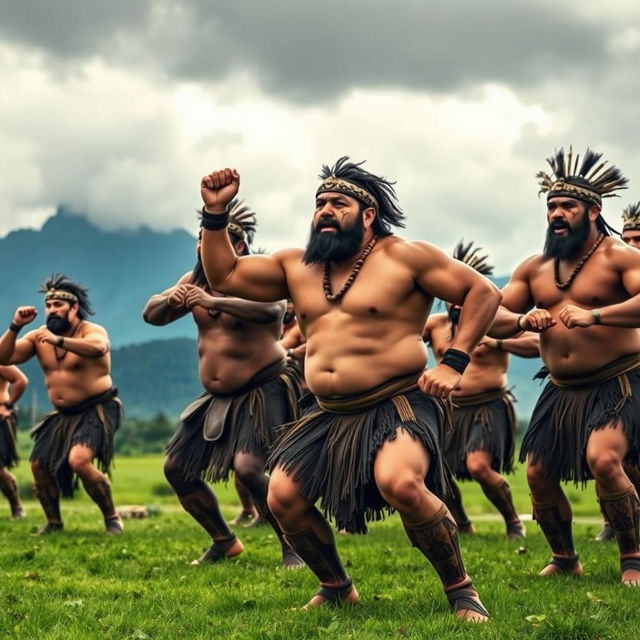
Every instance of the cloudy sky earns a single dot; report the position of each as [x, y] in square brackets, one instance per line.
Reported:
[117, 108]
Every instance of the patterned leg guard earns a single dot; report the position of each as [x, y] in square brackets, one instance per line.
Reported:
[203, 507]
[323, 560]
[49, 499]
[100, 492]
[623, 512]
[558, 534]
[501, 498]
[453, 501]
[9, 488]
[437, 539]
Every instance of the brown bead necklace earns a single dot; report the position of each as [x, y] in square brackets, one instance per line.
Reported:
[576, 270]
[326, 274]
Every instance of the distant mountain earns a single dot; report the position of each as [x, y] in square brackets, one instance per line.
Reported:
[120, 268]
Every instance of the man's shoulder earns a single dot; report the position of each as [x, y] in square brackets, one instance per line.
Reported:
[92, 327]
[436, 320]
[530, 265]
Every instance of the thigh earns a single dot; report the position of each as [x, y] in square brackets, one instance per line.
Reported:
[402, 454]
[611, 439]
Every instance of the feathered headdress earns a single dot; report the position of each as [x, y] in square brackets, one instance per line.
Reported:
[469, 254]
[631, 217]
[588, 180]
[59, 287]
[242, 221]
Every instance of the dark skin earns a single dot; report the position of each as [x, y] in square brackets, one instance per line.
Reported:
[631, 237]
[379, 321]
[571, 344]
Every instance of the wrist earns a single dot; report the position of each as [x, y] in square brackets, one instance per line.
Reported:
[214, 221]
[499, 344]
[597, 317]
[456, 360]
[9, 405]
[519, 322]
[16, 328]
[60, 341]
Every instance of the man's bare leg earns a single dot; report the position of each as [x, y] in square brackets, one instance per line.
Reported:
[456, 507]
[248, 513]
[9, 488]
[311, 537]
[48, 494]
[552, 511]
[96, 485]
[606, 449]
[400, 468]
[249, 468]
[497, 490]
[201, 504]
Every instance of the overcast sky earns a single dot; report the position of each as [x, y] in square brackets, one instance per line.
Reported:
[118, 108]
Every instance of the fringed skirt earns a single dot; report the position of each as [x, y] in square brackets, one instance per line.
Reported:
[91, 423]
[568, 411]
[8, 451]
[483, 422]
[331, 454]
[214, 427]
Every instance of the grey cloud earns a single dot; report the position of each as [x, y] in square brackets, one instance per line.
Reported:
[315, 52]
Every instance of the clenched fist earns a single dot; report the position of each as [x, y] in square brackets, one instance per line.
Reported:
[440, 381]
[538, 320]
[177, 297]
[45, 336]
[573, 316]
[24, 315]
[218, 189]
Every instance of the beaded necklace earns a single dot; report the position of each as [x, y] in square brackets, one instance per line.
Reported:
[326, 274]
[556, 265]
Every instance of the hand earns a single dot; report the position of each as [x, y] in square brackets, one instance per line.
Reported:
[24, 315]
[439, 381]
[197, 297]
[488, 343]
[538, 320]
[573, 317]
[177, 297]
[218, 189]
[4, 411]
[44, 336]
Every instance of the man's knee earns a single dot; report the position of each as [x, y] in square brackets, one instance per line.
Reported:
[38, 470]
[80, 463]
[604, 464]
[536, 477]
[402, 492]
[172, 472]
[479, 468]
[284, 498]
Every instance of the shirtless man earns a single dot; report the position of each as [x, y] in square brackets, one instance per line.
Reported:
[480, 445]
[12, 385]
[583, 296]
[249, 393]
[74, 356]
[370, 441]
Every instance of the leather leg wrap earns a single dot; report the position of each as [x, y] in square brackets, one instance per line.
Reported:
[437, 539]
[320, 557]
[556, 530]
[203, 507]
[455, 506]
[49, 499]
[100, 492]
[502, 500]
[622, 510]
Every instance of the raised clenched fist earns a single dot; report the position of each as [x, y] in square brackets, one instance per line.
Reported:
[24, 315]
[218, 189]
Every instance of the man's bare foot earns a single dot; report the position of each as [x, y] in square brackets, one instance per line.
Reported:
[18, 512]
[290, 559]
[605, 534]
[516, 530]
[49, 528]
[630, 571]
[220, 550]
[344, 594]
[114, 525]
[245, 517]
[568, 565]
[466, 603]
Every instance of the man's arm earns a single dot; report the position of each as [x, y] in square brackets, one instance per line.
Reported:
[12, 350]
[93, 344]
[17, 380]
[624, 314]
[168, 306]
[526, 345]
[261, 277]
[245, 310]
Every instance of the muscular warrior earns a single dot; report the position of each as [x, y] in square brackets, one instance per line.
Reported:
[74, 356]
[583, 296]
[249, 393]
[12, 385]
[481, 443]
[370, 442]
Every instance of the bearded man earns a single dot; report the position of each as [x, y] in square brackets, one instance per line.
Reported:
[370, 440]
[249, 393]
[481, 443]
[583, 296]
[74, 356]
[12, 385]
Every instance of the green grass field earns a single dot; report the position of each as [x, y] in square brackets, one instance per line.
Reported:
[83, 584]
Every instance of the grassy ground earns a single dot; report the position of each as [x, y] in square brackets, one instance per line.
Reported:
[82, 584]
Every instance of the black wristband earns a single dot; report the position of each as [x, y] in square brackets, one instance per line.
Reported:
[214, 221]
[16, 328]
[456, 359]
[9, 405]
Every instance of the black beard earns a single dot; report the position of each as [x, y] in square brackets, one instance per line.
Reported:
[559, 247]
[58, 325]
[334, 247]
